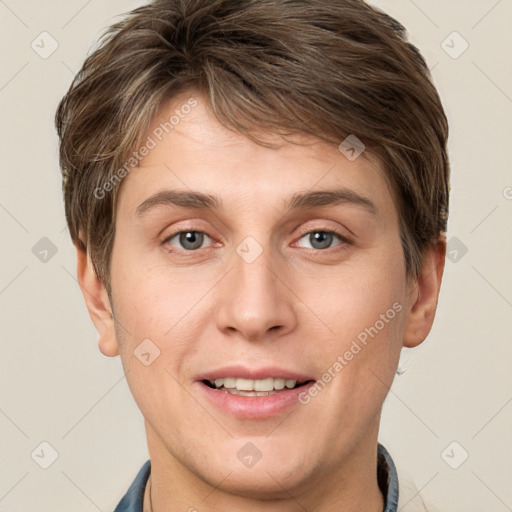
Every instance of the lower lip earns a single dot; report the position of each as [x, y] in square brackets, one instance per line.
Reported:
[254, 407]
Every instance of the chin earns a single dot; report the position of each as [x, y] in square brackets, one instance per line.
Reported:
[260, 484]
[263, 478]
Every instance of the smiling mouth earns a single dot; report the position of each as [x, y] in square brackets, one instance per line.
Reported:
[251, 387]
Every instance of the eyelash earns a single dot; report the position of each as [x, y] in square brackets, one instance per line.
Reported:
[183, 252]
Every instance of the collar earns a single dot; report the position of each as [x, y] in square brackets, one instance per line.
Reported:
[387, 478]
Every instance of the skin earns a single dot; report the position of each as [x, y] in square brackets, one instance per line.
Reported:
[296, 306]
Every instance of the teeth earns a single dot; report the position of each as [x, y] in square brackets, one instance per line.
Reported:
[263, 385]
[245, 385]
[279, 383]
[260, 385]
[229, 383]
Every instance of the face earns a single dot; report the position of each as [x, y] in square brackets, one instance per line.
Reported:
[259, 333]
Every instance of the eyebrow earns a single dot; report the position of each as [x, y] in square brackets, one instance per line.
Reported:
[332, 198]
[299, 200]
[193, 200]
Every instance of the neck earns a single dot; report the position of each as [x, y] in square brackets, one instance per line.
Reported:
[352, 485]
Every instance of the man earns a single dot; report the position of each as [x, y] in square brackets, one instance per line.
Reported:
[258, 195]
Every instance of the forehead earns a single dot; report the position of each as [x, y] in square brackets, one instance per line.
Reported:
[190, 149]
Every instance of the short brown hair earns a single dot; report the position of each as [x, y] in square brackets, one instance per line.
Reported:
[328, 68]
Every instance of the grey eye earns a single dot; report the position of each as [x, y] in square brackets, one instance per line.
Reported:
[189, 240]
[320, 239]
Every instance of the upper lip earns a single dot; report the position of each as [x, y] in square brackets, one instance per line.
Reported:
[254, 373]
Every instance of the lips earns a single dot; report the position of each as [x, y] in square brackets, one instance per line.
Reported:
[253, 393]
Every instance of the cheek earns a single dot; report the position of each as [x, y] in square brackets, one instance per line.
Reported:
[353, 297]
[152, 298]
[158, 332]
[160, 311]
[363, 316]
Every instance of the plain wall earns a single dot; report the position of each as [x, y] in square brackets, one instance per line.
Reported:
[55, 385]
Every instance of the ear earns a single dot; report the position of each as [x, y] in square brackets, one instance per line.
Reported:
[424, 293]
[98, 303]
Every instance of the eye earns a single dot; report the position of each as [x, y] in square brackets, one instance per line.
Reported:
[189, 240]
[322, 239]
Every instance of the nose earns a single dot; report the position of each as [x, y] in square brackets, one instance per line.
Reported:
[255, 300]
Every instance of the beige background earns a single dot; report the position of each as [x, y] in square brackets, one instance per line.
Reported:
[56, 387]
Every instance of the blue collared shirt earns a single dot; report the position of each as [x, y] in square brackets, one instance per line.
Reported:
[387, 477]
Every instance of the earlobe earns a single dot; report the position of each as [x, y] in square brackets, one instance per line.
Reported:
[424, 295]
[98, 303]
